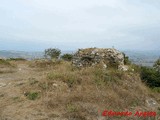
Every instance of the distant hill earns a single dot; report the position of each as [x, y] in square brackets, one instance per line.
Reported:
[145, 58]
[23, 54]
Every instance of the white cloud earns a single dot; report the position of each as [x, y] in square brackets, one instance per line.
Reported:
[87, 22]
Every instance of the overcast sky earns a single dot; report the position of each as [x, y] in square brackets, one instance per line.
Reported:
[33, 25]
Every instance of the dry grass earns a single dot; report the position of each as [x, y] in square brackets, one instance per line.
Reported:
[66, 92]
[43, 63]
[6, 66]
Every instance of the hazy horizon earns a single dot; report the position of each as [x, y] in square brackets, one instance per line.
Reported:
[34, 25]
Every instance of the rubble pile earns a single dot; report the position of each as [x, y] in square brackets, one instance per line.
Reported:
[92, 56]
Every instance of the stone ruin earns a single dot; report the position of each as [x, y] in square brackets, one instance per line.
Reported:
[93, 56]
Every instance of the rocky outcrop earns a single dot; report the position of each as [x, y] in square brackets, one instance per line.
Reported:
[93, 56]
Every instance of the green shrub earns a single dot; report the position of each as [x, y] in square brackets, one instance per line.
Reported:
[67, 57]
[156, 89]
[150, 76]
[32, 95]
[53, 53]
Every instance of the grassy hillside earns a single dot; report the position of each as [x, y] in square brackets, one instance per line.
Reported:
[46, 90]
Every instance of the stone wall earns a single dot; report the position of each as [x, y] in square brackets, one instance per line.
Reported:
[93, 56]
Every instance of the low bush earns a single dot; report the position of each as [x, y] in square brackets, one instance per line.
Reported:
[156, 89]
[67, 57]
[32, 95]
[150, 76]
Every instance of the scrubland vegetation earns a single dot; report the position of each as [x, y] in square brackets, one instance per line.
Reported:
[56, 90]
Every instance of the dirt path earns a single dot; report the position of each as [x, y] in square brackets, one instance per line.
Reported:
[21, 72]
[12, 99]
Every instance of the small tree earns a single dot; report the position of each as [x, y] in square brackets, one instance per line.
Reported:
[67, 57]
[53, 53]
